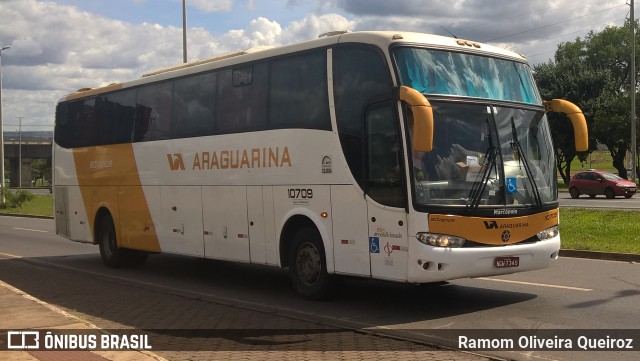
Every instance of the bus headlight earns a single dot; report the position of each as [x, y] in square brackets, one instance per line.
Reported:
[440, 240]
[548, 233]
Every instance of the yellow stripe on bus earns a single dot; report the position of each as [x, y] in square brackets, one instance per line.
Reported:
[85, 92]
[108, 177]
[493, 231]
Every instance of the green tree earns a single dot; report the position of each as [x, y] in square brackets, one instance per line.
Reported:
[594, 74]
[41, 170]
[569, 77]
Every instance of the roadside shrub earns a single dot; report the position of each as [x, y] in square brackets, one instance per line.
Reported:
[15, 199]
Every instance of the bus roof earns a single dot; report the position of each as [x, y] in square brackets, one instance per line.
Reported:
[382, 39]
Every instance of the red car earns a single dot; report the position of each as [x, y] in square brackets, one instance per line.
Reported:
[594, 182]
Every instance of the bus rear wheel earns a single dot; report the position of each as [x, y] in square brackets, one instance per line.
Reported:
[111, 254]
[308, 266]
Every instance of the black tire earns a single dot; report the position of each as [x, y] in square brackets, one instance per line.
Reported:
[609, 193]
[308, 265]
[592, 195]
[112, 255]
[627, 196]
[574, 192]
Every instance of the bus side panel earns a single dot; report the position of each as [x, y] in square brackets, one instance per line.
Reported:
[137, 230]
[60, 195]
[181, 223]
[350, 238]
[70, 212]
[256, 217]
[389, 226]
[272, 256]
[77, 215]
[226, 235]
[98, 169]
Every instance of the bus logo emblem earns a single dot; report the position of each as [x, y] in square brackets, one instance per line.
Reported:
[491, 224]
[326, 165]
[175, 162]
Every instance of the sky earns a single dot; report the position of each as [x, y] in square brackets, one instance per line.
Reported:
[59, 47]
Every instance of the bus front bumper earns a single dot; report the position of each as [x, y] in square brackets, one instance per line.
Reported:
[434, 264]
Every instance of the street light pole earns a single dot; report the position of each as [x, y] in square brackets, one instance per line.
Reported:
[633, 92]
[19, 151]
[2, 48]
[184, 31]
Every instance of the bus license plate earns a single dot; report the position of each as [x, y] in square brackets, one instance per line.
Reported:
[504, 262]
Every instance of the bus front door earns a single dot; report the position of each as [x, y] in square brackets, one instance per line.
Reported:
[386, 198]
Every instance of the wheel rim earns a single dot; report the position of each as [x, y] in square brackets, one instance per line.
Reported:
[308, 263]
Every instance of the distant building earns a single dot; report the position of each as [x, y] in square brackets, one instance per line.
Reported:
[46, 135]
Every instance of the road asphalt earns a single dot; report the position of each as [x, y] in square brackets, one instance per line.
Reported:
[23, 312]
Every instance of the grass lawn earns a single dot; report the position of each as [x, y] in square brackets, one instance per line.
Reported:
[38, 206]
[600, 230]
[599, 159]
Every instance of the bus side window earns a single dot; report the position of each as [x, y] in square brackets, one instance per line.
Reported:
[242, 98]
[194, 106]
[153, 115]
[298, 92]
[118, 116]
[384, 169]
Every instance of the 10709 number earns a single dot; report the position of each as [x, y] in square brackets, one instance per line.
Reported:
[304, 193]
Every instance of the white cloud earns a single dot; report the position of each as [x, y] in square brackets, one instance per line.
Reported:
[312, 26]
[211, 6]
[57, 49]
[261, 31]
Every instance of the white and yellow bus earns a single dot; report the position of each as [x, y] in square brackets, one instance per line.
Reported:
[398, 156]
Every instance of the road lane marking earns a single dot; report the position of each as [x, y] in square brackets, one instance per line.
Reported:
[30, 230]
[9, 255]
[536, 284]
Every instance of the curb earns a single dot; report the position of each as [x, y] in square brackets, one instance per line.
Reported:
[607, 256]
[25, 215]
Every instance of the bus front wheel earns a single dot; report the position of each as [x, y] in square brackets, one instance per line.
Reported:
[308, 266]
[111, 254]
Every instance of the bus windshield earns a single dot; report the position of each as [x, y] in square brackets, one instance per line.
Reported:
[449, 73]
[486, 156]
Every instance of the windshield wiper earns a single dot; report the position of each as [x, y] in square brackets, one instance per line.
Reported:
[490, 156]
[519, 154]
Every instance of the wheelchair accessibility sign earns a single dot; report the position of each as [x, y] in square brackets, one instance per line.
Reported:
[512, 186]
[374, 244]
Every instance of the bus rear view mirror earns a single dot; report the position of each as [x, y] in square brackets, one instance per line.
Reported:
[422, 118]
[578, 121]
